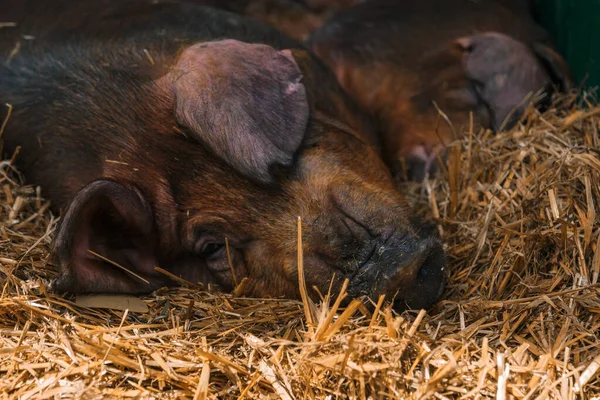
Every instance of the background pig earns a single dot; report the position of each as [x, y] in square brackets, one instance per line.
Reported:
[162, 130]
[421, 66]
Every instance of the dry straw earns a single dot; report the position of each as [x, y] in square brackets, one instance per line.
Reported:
[520, 318]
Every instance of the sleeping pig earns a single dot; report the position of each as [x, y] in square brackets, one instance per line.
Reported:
[163, 130]
[420, 67]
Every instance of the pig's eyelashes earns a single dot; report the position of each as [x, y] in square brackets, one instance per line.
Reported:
[211, 249]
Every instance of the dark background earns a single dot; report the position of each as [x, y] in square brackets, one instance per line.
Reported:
[575, 26]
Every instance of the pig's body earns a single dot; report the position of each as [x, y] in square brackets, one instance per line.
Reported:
[163, 130]
[405, 61]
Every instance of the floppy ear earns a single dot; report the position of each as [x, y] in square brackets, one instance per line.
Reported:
[117, 224]
[504, 72]
[244, 101]
[555, 64]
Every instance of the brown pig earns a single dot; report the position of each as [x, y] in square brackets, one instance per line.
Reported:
[163, 130]
[420, 67]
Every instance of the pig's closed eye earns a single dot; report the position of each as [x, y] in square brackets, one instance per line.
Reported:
[210, 249]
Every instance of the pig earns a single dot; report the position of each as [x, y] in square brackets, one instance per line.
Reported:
[420, 67]
[193, 139]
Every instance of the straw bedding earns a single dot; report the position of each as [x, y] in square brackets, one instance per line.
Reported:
[520, 318]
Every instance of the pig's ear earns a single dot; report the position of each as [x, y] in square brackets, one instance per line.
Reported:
[556, 65]
[116, 224]
[246, 102]
[504, 71]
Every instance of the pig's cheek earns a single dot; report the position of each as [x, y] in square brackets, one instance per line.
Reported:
[290, 270]
[263, 258]
[311, 267]
[260, 287]
[228, 270]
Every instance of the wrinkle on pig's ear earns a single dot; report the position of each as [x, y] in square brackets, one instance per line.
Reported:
[106, 221]
[246, 102]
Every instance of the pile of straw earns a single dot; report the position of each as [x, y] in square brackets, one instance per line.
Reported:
[518, 212]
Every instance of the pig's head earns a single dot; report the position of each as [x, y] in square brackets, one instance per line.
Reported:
[237, 142]
[424, 104]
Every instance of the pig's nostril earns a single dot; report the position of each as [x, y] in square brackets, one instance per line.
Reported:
[416, 168]
[434, 262]
[430, 278]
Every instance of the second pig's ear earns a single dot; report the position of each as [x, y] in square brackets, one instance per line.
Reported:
[504, 71]
[246, 102]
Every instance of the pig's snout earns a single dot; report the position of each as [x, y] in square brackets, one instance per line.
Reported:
[368, 237]
[422, 160]
[409, 271]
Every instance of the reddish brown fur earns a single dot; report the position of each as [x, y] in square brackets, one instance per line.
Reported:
[391, 95]
[400, 61]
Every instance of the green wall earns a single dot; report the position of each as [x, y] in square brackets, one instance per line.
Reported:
[575, 26]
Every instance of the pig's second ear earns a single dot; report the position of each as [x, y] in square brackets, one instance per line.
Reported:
[246, 102]
[555, 64]
[105, 225]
